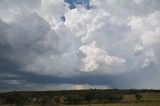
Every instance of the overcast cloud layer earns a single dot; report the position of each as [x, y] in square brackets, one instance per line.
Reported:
[46, 44]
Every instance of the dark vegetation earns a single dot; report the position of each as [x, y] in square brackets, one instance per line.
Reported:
[92, 96]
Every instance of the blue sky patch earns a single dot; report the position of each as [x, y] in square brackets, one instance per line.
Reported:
[74, 3]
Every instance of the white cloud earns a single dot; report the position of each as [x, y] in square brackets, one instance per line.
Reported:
[10, 8]
[87, 86]
[13, 82]
[52, 10]
[147, 62]
[147, 30]
[96, 58]
[126, 36]
[138, 50]
[64, 86]
[138, 1]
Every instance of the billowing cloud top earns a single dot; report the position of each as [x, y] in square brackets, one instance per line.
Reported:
[106, 41]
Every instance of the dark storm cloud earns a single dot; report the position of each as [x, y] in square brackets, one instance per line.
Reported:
[115, 47]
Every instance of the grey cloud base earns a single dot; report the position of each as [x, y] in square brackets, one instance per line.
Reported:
[100, 47]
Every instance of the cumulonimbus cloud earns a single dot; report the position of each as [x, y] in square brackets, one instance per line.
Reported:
[39, 41]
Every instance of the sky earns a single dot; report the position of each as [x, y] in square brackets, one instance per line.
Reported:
[79, 44]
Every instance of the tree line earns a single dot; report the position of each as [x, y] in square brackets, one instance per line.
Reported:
[45, 98]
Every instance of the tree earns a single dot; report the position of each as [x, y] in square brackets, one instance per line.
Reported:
[101, 97]
[57, 100]
[44, 100]
[89, 96]
[114, 97]
[15, 98]
[73, 99]
[138, 97]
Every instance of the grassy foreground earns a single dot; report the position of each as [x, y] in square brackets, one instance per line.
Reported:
[113, 104]
[121, 104]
